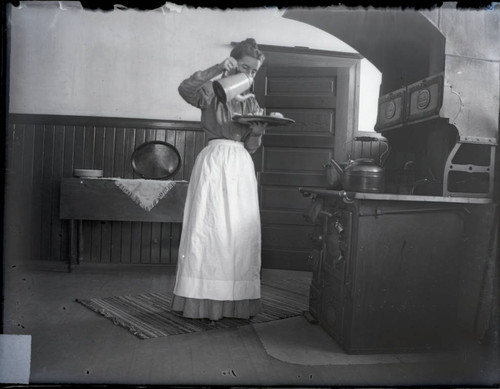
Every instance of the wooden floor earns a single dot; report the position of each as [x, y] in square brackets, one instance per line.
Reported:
[71, 344]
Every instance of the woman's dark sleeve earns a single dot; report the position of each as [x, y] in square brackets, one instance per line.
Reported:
[252, 141]
[197, 90]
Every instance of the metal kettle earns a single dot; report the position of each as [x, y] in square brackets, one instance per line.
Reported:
[360, 175]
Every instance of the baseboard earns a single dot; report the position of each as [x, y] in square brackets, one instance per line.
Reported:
[41, 265]
[95, 266]
[58, 266]
[122, 267]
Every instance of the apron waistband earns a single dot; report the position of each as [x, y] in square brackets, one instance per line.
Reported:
[225, 141]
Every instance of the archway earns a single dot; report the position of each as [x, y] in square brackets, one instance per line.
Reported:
[404, 45]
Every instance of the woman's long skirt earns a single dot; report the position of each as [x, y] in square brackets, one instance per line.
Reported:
[218, 270]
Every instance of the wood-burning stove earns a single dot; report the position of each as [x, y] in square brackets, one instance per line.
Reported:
[385, 269]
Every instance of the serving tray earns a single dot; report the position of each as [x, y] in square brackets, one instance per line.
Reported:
[269, 120]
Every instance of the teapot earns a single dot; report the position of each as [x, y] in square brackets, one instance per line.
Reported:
[360, 175]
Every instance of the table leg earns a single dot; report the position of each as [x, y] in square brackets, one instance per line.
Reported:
[72, 254]
[80, 242]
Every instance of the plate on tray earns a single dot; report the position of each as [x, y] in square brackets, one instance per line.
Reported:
[270, 120]
[87, 173]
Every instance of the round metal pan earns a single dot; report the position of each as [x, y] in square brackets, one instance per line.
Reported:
[156, 160]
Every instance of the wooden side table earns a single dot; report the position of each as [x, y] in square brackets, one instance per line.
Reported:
[100, 199]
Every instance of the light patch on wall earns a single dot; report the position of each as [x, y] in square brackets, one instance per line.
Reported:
[15, 359]
[172, 7]
[369, 90]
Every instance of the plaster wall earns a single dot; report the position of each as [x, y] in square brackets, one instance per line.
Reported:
[66, 60]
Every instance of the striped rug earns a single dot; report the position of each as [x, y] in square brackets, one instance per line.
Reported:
[149, 315]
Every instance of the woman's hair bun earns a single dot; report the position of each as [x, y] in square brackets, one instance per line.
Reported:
[247, 47]
[251, 42]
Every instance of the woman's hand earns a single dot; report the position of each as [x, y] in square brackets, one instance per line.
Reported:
[243, 97]
[254, 139]
[229, 64]
[253, 142]
[258, 129]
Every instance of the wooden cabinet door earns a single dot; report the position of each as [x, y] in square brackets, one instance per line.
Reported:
[405, 278]
[293, 156]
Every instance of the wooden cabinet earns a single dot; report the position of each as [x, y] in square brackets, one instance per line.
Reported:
[385, 274]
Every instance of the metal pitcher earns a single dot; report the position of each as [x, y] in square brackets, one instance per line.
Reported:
[227, 88]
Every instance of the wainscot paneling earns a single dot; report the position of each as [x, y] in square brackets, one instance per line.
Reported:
[41, 149]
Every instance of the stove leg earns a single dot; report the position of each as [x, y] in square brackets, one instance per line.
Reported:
[310, 318]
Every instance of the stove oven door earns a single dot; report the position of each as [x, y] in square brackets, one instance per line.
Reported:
[334, 278]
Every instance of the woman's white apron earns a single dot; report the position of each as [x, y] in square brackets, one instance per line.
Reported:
[220, 248]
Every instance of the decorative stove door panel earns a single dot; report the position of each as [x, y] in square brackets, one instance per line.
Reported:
[315, 288]
[332, 313]
[337, 254]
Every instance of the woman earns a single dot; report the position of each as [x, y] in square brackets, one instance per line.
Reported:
[218, 271]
